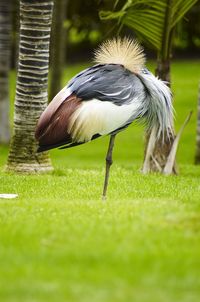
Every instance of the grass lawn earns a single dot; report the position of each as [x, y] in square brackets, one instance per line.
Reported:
[60, 242]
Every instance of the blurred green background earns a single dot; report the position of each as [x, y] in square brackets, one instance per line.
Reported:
[60, 242]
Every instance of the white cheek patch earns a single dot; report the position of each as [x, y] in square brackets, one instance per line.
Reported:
[98, 117]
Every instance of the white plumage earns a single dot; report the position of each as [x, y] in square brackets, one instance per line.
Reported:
[99, 117]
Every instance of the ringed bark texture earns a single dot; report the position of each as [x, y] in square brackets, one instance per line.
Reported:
[31, 91]
[5, 38]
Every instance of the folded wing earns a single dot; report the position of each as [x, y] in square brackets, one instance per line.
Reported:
[96, 102]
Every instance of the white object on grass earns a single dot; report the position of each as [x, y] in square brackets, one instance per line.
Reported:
[8, 196]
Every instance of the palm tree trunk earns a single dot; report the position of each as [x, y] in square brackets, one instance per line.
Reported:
[31, 90]
[57, 47]
[161, 150]
[5, 43]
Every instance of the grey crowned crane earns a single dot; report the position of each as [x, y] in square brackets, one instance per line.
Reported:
[105, 99]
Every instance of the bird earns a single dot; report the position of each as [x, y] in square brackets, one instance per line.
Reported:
[105, 99]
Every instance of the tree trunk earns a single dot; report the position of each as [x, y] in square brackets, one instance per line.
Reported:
[197, 153]
[160, 151]
[15, 34]
[5, 44]
[163, 70]
[31, 90]
[57, 47]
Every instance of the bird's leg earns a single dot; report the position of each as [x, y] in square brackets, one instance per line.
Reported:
[108, 164]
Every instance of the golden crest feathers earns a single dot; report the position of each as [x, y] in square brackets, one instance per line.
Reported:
[126, 52]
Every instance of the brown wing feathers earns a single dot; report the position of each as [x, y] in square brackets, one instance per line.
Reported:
[51, 130]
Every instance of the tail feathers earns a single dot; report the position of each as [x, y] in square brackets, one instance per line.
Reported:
[66, 144]
[43, 148]
[71, 145]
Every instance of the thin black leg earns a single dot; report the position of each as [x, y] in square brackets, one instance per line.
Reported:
[109, 162]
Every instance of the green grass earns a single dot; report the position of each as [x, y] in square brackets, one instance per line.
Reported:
[60, 242]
